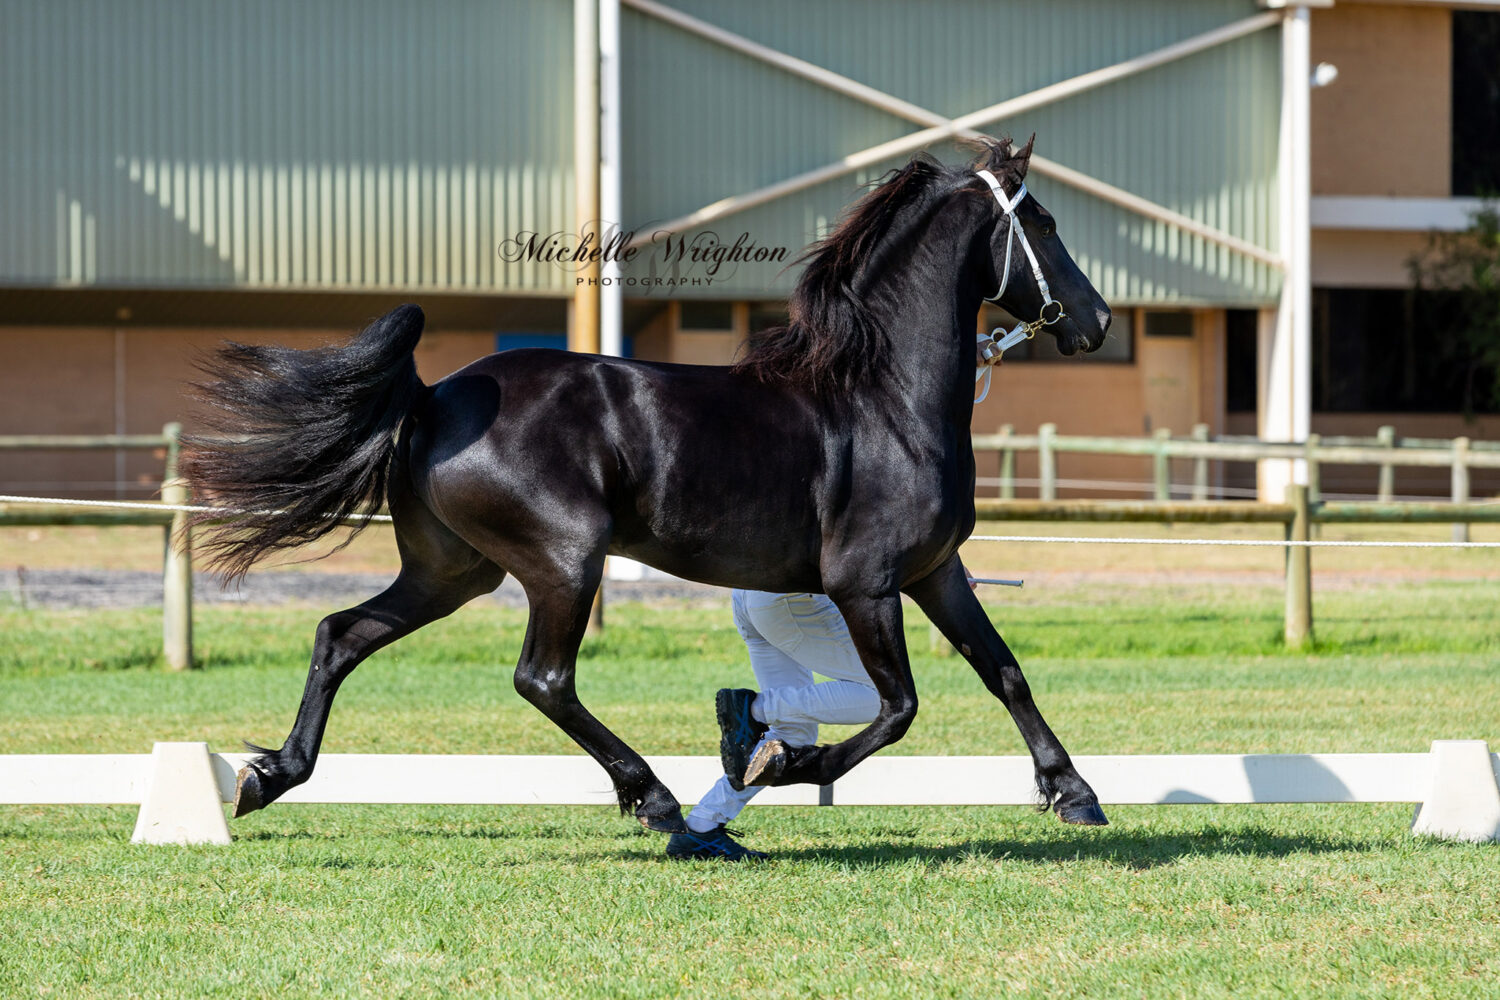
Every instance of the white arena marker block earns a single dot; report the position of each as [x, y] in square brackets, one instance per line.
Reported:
[1464, 803]
[181, 804]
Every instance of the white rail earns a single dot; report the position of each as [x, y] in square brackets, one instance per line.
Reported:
[181, 787]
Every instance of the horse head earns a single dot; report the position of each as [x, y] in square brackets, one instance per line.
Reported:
[1024, 262]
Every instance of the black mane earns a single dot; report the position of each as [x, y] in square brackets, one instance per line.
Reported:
[833, 342]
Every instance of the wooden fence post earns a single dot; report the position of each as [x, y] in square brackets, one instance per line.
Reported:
[1299, 622]
[1046, 461]
[1200, 465]
[1007, 464]
[177, 565]
[1461, 483]
[1161, 466]
[936, 644]
[1314, 470]
[1386, 437]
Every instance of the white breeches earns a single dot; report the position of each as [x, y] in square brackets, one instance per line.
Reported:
[790, 638]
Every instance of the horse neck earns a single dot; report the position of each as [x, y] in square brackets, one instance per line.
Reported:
[931, 307]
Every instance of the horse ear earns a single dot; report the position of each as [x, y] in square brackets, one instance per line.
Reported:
[1019, 160]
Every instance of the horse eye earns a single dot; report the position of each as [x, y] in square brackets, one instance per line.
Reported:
[1048, 229]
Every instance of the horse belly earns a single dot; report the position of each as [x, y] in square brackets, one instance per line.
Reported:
[713, 532]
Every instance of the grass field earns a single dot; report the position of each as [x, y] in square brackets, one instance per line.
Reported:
[1183, 901]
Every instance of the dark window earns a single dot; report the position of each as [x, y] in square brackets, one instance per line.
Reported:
[1241, 336]
[1118, 343]
[1160, 323]
[1476, 103]
[707, 316]
[767, 315]
[512, 341]
[1370, 354]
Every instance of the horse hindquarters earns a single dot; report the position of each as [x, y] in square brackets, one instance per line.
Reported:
[516, 496]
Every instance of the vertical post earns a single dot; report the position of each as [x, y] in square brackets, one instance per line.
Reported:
[177, 565]
[1046, 461]
[1288, 411]
[1161, 467]
[1200, 465]
[1297, 69]
[1314, 470]
[1461, 483]
[611, 213]
[1299, 622]
[584, 331]
[1007, 464]
[936, 644]
[1386, 436]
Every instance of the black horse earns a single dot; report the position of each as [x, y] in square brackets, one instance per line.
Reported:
[834, 457]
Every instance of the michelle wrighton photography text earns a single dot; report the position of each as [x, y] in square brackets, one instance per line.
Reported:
[669, 258]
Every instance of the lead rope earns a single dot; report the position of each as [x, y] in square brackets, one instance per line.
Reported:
[990, 348]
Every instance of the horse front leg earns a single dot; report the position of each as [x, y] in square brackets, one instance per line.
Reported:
[875, 629]
[951, 605]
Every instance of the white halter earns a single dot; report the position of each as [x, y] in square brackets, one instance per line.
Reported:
[993, 348]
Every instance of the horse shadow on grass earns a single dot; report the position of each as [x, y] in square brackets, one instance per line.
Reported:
[1135, 851]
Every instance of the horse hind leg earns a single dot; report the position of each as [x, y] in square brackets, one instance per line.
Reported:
[545, 676]
[344, 640]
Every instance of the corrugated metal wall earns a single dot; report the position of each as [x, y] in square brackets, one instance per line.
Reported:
[1198, 135]
[276, 143]
[359, 144]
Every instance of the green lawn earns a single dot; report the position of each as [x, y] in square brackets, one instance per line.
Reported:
[1191, 901]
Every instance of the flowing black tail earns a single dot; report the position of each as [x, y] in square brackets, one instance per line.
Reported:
[313, 436]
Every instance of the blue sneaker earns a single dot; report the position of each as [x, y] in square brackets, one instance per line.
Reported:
[738, 732]
[715, 845]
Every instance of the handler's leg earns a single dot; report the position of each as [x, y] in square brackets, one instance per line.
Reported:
[775, 670]
[953, 608]
[874, 623]
[808, 629]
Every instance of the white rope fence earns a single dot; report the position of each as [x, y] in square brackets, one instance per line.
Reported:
[145, 505]
[1261, 542]
[1186, 490]
[1065, 539]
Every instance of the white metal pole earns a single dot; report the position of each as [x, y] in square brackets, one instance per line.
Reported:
[583, 334]
[1299, 239]
[611, 212]
[584, 330]
[1288, 355]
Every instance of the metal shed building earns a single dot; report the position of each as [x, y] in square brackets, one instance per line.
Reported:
[175, 173]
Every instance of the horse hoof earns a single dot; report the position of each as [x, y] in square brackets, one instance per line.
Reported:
[247, 792]
[1081, 814]
[665, 823]
[767, 763]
